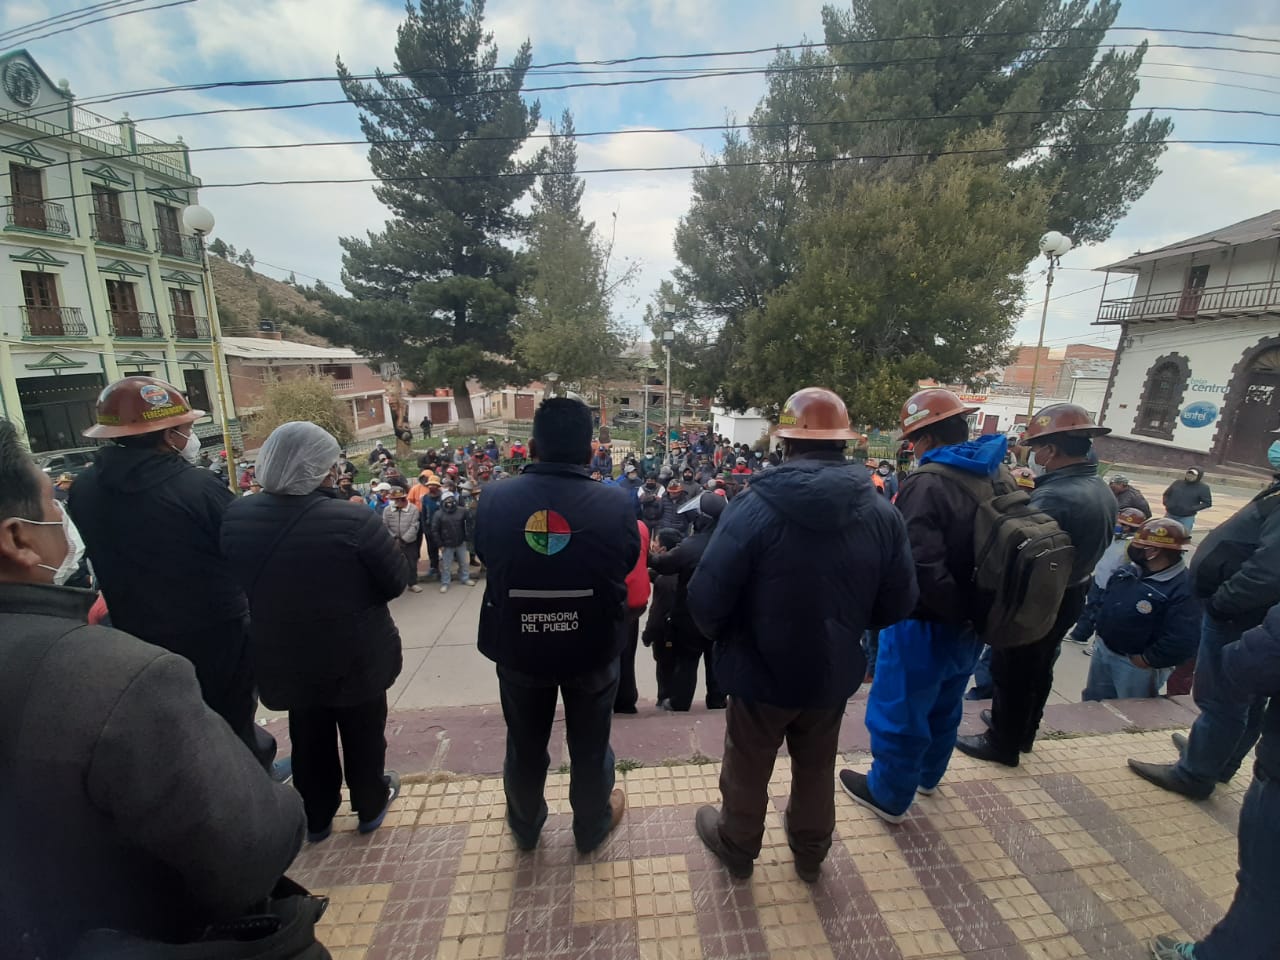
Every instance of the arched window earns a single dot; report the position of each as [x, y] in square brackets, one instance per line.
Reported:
[1162, 397]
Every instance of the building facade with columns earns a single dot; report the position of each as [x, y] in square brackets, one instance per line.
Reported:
[98, 277]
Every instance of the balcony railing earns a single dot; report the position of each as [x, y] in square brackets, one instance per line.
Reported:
[172, 244]
[38, 215]
[122, 233]
[133, 325]
[53, 322]
[343, 386]
[1192, 303]
[189, 327]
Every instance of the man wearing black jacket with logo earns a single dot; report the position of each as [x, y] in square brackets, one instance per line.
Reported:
[558, 548]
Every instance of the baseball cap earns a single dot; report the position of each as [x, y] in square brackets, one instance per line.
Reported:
[382, 488]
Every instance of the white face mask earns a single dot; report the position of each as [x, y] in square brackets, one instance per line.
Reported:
[75, 546]
[1034, 464]
[190, 449]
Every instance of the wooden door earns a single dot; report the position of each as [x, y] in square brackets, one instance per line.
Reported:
[990, 423]
[27, 189]
[122, 301]
[184, 314]
[524, 406]
[1256, 420]
[170, 234]
[40, 291]
[106, 213]
[1197, 277]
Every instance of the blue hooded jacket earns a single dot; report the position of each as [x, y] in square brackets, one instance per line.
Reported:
[802, 563]
[939, 514]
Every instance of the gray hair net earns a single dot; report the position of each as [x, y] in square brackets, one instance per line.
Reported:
[296, 458]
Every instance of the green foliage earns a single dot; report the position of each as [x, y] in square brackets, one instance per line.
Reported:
[436, 290]
[218, 248]
[903, 279]
[304, 398]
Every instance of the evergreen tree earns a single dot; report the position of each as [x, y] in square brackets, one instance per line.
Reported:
[436, 290]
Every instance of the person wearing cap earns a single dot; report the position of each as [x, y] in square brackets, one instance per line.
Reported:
[128, 804]
[419, 490]
[404, 522]
[378, 497]
[740, 467]
[676, 498]
[888, 481]
[491, 451]
[800, 566]
[558, 549]
[378, 452]
[603, 460]
[649, 497]
[427, 507]
[630, 479]
[1070, 491]
[450, 528]
[325, 646]
[62, 487]
[1127, 495]
[1147, 619]
[1236, 575]
[923, 663]
[346, 487]
[691, 486]
[1186, 497]
[689, 645]
[1128, 521]
[150, 520]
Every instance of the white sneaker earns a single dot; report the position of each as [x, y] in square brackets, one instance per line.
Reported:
[444, 588]
[926, 791]
[415, 589]
[469, 583]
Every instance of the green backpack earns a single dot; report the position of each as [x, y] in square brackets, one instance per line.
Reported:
[1022, 559]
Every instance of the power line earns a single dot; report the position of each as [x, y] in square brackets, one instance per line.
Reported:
[66, 17]
[104, 19]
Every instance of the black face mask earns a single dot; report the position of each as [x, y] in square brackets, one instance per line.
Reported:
[449, 506]
[1138, 555]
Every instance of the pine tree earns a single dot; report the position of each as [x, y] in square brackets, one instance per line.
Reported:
[436, 290]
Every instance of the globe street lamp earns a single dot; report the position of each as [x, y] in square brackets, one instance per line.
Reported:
[199, 220]
[1053, 245]
[668, 339]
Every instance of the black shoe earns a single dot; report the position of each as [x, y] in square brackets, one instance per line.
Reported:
[1163, 775]
[807, 870]
[1026, 746]
[981, 748]
[630, 709]
[855, 785]
[707, 823]
[719, 704]
[1180, 741]
[392, 780]
[978, 693]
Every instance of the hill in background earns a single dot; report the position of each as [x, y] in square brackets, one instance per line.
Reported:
[244, 297]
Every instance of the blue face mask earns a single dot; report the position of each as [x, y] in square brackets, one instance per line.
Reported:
[1273, 455]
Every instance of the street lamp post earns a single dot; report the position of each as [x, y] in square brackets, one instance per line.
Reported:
[199, 221]
[1053, 245]
[668, 338]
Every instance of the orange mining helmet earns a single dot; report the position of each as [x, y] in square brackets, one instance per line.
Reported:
[1061, 418]
[925, 407]
[814, 413]
[137, 405]
[1131, 518]
[1164, 534]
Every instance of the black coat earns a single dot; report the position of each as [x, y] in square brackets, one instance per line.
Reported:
[558, 547]
[1132, 497]
[1184, 499]
[1084, 507]
[1236, 569]
[1251, 667]
[321, 633]
[799, 567]
[682, 561]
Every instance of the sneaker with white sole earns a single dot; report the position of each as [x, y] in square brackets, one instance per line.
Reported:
[444, 588]
[855, 785]
[415, 588]
[392, 780]
[926, 791]
[1165, 947]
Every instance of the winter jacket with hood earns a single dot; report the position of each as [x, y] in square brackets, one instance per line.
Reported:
[1251, 667]
[1184, 499]
[321, 633]
[799, 567]
[939, 515]
[682, 561]
[451, 527]
[150, 523]
[1236, 570]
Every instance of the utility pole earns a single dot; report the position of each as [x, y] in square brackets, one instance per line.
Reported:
[1053, 245]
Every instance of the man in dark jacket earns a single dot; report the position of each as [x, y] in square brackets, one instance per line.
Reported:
[150, 520]
[1126, 494]
[657, 629]
[127, 802]
[324, 645]
[1236, 574]
[799, 567]
[451, 528]
[689, 645]
[1186, 497]
[676, 498]
[558, 548]
[1250, 669]
[923, 664]
[1069, 490]
[1147, 618]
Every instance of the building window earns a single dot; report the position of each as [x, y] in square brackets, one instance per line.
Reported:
[338, 371]
[40, 298]
[1161, 398]
[169, 234]
[28, 208]
[197, 389]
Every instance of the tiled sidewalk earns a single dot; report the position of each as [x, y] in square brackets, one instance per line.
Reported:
[1068, 856]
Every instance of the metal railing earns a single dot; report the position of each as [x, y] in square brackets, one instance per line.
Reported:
[38, 215]
[40, 321]
[189, 327]
[117, 231]
[1190, 303]
[135, 325]
[173, 244]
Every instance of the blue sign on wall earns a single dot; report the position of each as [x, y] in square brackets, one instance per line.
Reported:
[1199, 414]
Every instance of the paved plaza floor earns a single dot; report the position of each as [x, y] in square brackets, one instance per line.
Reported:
[1068, 856]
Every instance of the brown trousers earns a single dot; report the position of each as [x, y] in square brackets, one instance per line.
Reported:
[753, 734]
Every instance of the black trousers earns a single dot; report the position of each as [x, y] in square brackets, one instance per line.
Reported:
[1023, 678]
[317, 771]
[683, 681]
[410, 551]
[625, 701]
[664, 661]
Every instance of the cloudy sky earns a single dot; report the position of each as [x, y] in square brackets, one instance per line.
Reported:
[295, 228]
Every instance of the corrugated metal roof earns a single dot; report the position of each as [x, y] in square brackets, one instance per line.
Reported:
[1265, 226]
[260, 348]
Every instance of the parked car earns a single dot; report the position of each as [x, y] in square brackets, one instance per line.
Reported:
[627, 418]
[74, 462]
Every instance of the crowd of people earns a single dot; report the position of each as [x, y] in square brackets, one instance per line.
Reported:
[774, 573]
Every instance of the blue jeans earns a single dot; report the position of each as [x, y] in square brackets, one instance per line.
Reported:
[1249, 930]
[1113, 677]
[529, 708]
[447, 556]
[916, 705]
[1084, 627]
[1187, 522]
[1228, 725]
